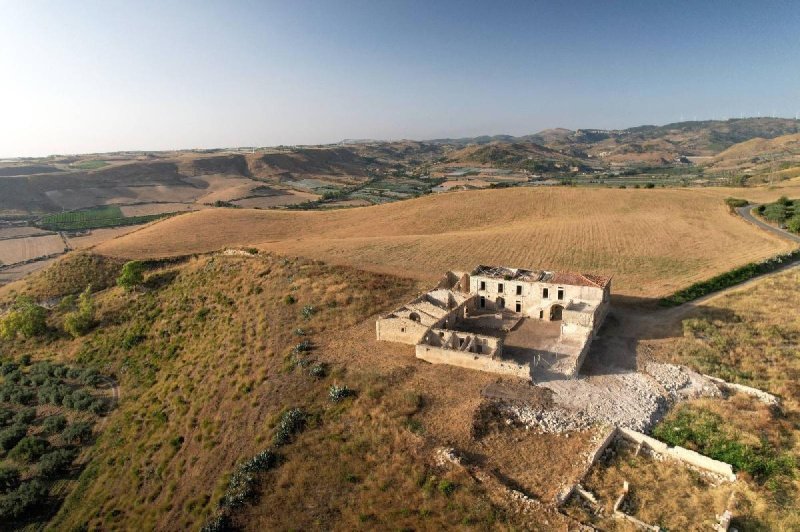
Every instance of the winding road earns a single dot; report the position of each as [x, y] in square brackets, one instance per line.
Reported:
[746, 212]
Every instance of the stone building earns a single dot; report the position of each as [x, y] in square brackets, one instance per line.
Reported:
[465, 320]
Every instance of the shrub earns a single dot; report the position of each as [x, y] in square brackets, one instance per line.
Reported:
[9, 479]
[78, 400]
[76, 433]
[318, 370]
[793, 224]
[132, 275]
[447, 488]
[11, 436]
[219, 523]
[308, 311]
[292, 421]
[29, 449]
[650, 185]
[80, 321]
[6, 416]
[54, 424]
[8, 367]
[734, 203]
[263, 461]
[25, 415]
[776, 212]
[289, 299]
[25, 318]
[56, 462]
[337, 393]
[16, 503]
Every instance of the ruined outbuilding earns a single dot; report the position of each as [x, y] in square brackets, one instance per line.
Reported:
[504, 320]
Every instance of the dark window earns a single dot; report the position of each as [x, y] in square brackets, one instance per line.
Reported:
[560, 293]
[499, 288]
[402, 329]
[545, 293]
[519, 306]
[501, 302]
[541, 314]
[519, 289]
[483, 302]
[460, 342]
[483, 285]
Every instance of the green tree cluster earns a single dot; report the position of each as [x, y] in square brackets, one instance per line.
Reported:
[25, 318]
[78, 322]
[132, 275]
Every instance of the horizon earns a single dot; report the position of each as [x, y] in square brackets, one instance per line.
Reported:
[98, 78]
[344, 141]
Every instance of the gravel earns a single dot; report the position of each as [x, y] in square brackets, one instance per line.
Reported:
[632, 400]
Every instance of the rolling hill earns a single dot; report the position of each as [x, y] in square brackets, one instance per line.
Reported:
[651, 241]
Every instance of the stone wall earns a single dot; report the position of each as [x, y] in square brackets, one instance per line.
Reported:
[679, 453]
[440, 355]
[401, 330]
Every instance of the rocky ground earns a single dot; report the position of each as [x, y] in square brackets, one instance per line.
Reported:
[630, 399]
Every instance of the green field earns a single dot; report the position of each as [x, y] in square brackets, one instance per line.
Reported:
[94, 218]
[92, 164]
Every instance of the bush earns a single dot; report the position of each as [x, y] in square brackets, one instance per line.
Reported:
[289, 299]
[308, 311]
[729, 278]
[447, 488]
[25, 318]
[132, 275]
[77, 433]
[9, 479]
[219, 523]
[78, 400]
[734, 203]
[11, 436]
[6, 416]
[29, 449]
[16, 503]
[318, 370]
[292, 421]
[25, 415]
[775, 212]
[80, 321]
[54, 424]
[56, 462]
[793, 224]
[338, 393]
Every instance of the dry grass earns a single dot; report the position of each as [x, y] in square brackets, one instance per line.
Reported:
[146, 209]
[663, 493]
[21, 249]
[203, 362]
[652, 241]
[750, 336]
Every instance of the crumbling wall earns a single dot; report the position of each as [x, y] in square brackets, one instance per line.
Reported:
[401, 330]
[441, 355]
[679, 453]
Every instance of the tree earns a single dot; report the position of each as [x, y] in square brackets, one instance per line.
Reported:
[132, 275]
[25, 318]
[9, 479]
[77, 432]
[29, 449]
[78, 322]
[793, 224]
[56, 462]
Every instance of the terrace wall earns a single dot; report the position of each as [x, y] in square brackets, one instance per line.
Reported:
[463, 359]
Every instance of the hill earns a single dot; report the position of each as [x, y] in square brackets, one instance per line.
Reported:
[211, 354]
[518, 155]
[651, 241]
[761, 159]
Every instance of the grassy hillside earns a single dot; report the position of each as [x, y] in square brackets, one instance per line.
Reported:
[749, 337]
[211, 353]
[651, 241]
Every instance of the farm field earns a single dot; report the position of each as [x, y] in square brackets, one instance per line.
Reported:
[149, 209]
[290, 197]
[21, 249]
[652, 241]
[17, 232]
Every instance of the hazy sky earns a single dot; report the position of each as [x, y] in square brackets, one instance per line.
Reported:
[79, 76]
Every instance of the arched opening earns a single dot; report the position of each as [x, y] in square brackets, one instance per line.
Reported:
[556, 312]
[501, 303]
[413, 316]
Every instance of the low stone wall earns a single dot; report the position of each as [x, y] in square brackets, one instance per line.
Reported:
[464, 359]
[679, 453]
[761, 395]
[595, 455]
[399, 330]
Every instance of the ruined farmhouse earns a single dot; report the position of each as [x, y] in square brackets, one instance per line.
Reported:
[531, 324]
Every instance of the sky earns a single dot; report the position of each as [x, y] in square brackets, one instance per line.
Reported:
[89, 76]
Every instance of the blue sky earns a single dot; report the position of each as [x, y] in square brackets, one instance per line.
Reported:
[84, 76]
